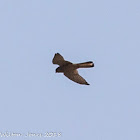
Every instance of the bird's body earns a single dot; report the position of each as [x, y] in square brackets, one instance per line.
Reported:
[70, 70]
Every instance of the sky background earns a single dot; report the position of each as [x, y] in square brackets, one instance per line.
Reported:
[34, 99]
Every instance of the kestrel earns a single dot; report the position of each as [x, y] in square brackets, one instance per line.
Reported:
[70, 70]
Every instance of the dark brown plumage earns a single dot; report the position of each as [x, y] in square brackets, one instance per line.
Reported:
[70, 70]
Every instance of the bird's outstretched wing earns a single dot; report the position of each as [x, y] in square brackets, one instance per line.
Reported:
[58, 59]
[74, 76]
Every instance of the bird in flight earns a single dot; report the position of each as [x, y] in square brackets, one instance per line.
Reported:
[70, 70]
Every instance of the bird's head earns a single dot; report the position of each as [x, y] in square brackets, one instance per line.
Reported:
[59, 70]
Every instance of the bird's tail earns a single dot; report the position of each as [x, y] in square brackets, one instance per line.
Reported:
[85, 64]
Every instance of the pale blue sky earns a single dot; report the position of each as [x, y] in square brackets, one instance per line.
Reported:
[33, 98]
